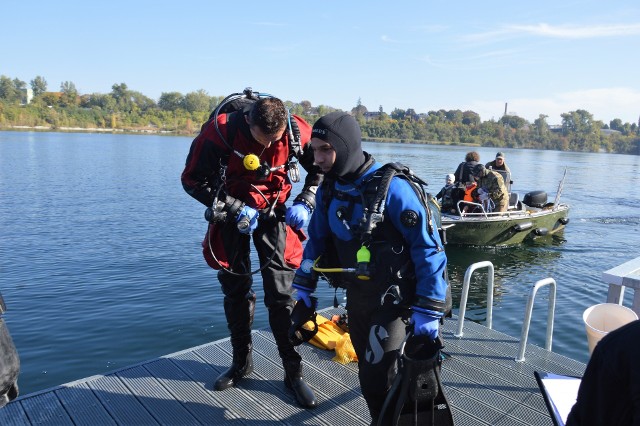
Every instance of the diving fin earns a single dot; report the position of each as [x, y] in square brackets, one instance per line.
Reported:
[416, 396]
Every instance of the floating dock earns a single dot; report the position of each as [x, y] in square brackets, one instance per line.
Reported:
[482, 380]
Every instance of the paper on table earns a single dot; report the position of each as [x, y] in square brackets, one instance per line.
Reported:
[561, 393]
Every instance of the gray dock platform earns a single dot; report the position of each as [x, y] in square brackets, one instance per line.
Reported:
[483, 383]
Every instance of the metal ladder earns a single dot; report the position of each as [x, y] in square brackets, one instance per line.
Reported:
[528, 311]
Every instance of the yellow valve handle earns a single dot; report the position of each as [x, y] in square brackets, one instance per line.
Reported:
[251, 162]
[318, 269]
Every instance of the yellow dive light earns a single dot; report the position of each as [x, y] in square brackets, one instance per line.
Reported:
[251, 162]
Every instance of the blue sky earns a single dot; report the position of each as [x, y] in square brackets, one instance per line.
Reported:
[543, 57]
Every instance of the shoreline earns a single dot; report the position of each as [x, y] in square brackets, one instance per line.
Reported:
[174, 133]
[94, 130]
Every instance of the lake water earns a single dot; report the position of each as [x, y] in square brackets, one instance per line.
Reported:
[101, 267]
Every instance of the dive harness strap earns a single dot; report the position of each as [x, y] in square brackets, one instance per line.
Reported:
[301, 315]
[416, 392]
[374, 210]
[234, 105]
[375, 213]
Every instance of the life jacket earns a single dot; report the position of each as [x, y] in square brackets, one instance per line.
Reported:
[390, 262]
[468, 192]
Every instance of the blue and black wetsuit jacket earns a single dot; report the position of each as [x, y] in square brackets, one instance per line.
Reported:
[405, 248]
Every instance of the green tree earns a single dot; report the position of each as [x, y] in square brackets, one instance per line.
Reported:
[306, 107]
[540, 132]
[579, 121]
[582, 131]
[411, 115]
[470, 118]
[19, 84]
[8, 91]
[616, 124]
[196, 101]
[454, 116]
[170, 101]
[69, 95]
[140, 102]
[359, 111]
[38, 85]
[513, 121]
[106, 103]
[398, 114]
[120, 93]
[51, 98]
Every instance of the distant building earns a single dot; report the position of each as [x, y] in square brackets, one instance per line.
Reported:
[372, 115]
[608, 132]
[27, 96]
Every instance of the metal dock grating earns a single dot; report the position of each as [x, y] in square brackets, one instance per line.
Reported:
[483, 383]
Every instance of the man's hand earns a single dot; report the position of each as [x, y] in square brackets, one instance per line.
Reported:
[304, 296]
[247, 220]
[297, 215]
[425, 324]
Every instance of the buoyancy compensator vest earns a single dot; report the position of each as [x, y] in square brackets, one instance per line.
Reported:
[389, 267]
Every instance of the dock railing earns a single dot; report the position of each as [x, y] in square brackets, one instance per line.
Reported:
[465, 294]
[528, 311]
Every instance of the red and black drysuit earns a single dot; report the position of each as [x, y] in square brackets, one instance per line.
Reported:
[278, 246]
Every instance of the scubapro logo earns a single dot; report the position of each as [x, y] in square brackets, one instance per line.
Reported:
[375, 351]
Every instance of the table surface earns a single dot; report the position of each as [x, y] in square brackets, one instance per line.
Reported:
[627, 274]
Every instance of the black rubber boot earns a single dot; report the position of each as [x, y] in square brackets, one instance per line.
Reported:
[239, 320]
[293, 380]
[239, 368]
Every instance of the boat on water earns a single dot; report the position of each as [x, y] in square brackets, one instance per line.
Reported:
[533, 217]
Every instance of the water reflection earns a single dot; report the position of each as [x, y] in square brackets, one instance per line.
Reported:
[510, 264]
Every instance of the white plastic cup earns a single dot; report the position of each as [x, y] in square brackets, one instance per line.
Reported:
[600, 319]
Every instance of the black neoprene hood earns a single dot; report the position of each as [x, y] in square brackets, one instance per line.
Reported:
[342, 132]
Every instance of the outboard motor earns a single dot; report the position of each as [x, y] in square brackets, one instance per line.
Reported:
[9, 362]
[535, 199]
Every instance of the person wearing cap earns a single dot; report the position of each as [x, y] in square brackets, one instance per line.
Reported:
[448, 194]
[492, 186]
[500, 165]
[218, 174]
[379, 312]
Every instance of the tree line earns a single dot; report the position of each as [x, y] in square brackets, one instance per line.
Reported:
[124, 109]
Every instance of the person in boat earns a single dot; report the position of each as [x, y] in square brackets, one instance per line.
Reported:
[500, 165]
[609, 392]
[408, 291]
[220, 174]
[492, 186]
[448, 195]
[463, 172]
